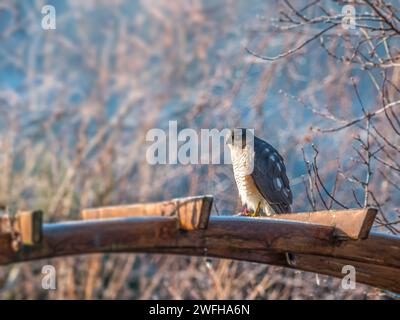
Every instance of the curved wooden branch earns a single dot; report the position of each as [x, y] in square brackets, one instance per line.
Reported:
[313, 248]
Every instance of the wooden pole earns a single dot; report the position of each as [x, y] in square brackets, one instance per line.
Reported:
[352, 224]
[313, 247]
[23, 229]
[192, 212]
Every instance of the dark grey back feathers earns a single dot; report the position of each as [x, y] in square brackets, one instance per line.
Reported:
[270, 177]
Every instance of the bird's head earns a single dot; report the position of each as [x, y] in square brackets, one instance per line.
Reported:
[239, 138]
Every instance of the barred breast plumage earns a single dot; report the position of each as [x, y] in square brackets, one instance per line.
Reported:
[248, 192]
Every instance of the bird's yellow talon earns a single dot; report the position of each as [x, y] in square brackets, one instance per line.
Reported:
[257, 213]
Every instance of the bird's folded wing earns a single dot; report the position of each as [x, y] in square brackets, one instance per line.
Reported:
[269, 176]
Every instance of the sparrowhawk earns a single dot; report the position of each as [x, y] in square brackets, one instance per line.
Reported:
[260, 174]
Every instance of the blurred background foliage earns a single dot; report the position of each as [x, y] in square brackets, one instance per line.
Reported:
[76, 104]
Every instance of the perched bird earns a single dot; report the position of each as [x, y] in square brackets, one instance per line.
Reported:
[260, 174]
